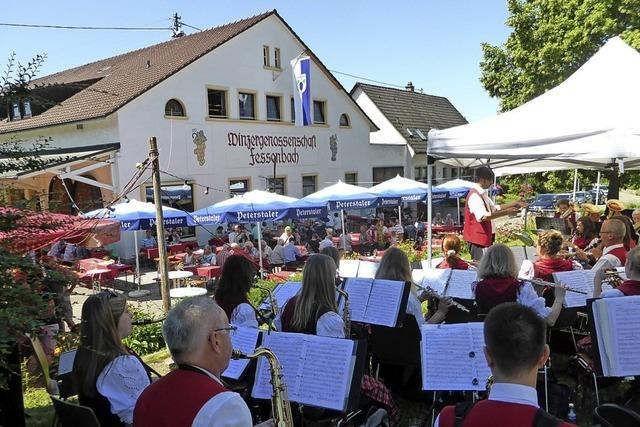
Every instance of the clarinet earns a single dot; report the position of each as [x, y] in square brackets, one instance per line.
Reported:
[346, 312]
[432, 293]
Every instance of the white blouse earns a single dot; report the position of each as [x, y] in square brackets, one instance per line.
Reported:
[244, 315]
[329, 324]
[527, 272]
[121, 382]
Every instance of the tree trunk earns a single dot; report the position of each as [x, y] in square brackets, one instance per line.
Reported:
[614, 184]
[11, 403]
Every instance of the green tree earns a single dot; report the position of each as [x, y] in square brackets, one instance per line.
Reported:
[550, 40]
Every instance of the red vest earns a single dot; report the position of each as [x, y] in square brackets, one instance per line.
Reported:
[456, 264]
[496, 290]
[493, 413]
[621, 254]
[476, 232]
[175, 399]
[545, 267]
[630, 287]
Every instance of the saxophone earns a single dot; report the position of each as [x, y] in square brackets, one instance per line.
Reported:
[280, 407]
[272, 300]
[346, 313]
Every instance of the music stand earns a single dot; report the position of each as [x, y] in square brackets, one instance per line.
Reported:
[545, 223]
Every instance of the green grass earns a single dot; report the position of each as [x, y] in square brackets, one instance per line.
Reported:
[38, 407]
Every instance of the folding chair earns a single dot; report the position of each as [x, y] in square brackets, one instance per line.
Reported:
[611, 415]
[71, 414]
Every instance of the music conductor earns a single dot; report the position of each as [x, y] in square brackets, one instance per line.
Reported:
[479, 211]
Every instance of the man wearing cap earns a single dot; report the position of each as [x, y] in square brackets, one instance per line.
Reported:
[614, 207]
[591, 211]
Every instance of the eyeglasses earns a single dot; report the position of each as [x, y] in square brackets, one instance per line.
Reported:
[606, 232]
[230, 329]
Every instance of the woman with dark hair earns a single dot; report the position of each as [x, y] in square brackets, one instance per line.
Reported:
[108, 376]
[314, 309]
[450, 249]
[586, 233]
[238, 276]
[395, 266]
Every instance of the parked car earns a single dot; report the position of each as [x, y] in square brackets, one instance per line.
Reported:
[584, 197]
[544, 203]
[602, 198]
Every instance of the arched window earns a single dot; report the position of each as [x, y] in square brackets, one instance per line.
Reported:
[174, 108]
[344, 120]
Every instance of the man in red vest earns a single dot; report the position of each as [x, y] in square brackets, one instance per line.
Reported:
[479, 211]
[612, 254]
[515, 348]
[197, 333]
[629, 287]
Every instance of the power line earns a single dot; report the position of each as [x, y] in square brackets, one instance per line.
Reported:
[190, 26]
[368, 80]
[71, 27]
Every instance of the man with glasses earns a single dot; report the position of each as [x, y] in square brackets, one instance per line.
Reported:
[613, 254]
[198, 335]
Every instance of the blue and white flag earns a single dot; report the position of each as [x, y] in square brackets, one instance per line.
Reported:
[303, 103]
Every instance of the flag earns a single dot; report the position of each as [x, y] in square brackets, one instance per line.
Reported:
[303, 104]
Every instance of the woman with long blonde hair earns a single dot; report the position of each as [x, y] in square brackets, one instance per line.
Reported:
[109, 378]
[395, 266]
[314, 309]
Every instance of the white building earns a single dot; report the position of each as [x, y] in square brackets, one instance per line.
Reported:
[220, 104]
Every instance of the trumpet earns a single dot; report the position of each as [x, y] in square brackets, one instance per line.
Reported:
[538, 282]
[346, 313]
[272, 300]
[612, 277]
[280, 406]
[432, 293]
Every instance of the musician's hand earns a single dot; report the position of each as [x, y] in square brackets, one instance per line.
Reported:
[596, 253]
[581, 255]
[268, 423]
[521, 204]
[510, 210]
[444, 304]
[559, 293]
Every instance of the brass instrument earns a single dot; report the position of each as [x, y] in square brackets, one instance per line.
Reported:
[346, 312]
[489, 383]
[612, 277]
[272, 300]
[432, 293]
[567, 213]
[539, 282]
[280, 406]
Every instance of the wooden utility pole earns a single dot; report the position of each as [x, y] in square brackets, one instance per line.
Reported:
[162, 247]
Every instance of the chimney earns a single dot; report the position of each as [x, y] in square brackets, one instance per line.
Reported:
[409, 87]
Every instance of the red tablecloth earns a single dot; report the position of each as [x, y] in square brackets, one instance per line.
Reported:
[91, 264]
[210, 271]
[281, 276]
[446, 229]
[119, 268]
[151, 253]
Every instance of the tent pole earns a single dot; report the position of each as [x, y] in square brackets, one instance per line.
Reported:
[429, 209]
[260, 249]
[135, 240]
[458, 206]
[344, 236]
[575, 185]
[598, 189]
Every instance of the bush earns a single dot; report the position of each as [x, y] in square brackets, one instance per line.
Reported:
[145, 339]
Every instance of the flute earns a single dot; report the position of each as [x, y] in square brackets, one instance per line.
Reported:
[539, 282]
[432, 293]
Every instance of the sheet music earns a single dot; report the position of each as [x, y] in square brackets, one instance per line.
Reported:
[368, 269]
[435, 261]
[65, 363]
[581, 280]
[384, 302]
[244, 340]
[531, 253]
[617, 322]
[519, 254]
[435, 278]
[317, 370]
[459, 285]
[452, 357]
[348, 267]
[282, 293]
[358, 290]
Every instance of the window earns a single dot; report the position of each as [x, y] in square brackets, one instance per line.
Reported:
[266, 60]
[238, 187]
[246, 105]
[276, 185]
[421, 174]
[454, 172]
[176, 196]
[276, 57]
[445, 172]
[319, 112]
[351, 178]
[217, 103]
[309, 184]
[15, 111]
[293, 110]
[344, 120]
[174, 108]
[26, 106]
[383, 174]
[273, 108]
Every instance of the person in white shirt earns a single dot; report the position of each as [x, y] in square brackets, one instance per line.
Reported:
[208, 257]
[149, 241]
[327, 241]
[612, 255]
[198, 335]
[286, 234]
[108, 377]
[232, 290]
[480, 211]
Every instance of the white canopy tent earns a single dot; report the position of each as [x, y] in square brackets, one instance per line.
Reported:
[591, 120]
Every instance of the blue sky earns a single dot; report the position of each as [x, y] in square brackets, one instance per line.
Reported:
[433, 43]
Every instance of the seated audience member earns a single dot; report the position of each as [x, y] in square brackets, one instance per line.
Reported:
[208, 257]
[327, 241]
[314, 309]
[549, 260]
[238, 276]
[108, 377]
[513, 399]
[57, 250]
[629, 287]
[291, 254]
[286, 234]
[149, 240]
[450, 249]
[82, 252]
[345, 242]
[566, 212]
[222, 256]
[277, 254]
[586, 235]
[395, 266]
[189, 257]
[175, 236]
[251, 250]
[448, 220]
[266, 250]
[198, 336]
[382, 235]
[232, 236]
[313, 245]
[69, 252]
[498, 283]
